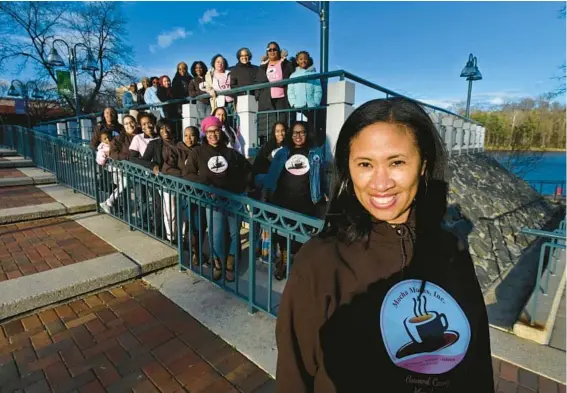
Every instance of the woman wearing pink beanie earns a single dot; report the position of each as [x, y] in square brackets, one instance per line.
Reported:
[216, 165]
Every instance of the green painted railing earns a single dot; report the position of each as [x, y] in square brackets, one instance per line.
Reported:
[141, 200]
[549, 255]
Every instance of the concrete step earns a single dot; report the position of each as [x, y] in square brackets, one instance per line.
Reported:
[31, 176]
[62, 201]
[137, 254]
[7, 152]
[547, 304]
[16, 162]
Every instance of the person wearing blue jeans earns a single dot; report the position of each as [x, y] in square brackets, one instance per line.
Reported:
[219, 167]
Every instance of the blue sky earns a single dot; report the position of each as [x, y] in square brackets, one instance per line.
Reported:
[415, 48]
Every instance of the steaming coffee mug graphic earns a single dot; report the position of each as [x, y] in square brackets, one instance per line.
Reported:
[427, 327]
[423, 331]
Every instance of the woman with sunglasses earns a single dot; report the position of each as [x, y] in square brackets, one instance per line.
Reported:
[295, 181]
[274, 98]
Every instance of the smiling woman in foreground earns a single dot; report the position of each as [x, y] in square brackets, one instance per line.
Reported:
[384, 299]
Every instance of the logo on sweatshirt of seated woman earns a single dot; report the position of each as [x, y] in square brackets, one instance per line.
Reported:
[217, 164]
[297, 165]
[426, 333]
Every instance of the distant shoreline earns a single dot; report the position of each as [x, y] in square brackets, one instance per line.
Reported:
[536, 150]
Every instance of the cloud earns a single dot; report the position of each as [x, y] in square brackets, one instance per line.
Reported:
[441, 103]
[208, 16]
[164, 40]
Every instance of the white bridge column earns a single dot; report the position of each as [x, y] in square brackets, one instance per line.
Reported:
[189, 114]
[247, 114]
[61, 129]
[340, 98]
[458, 134]
[447, 124]
[86, 129]
[465, 137]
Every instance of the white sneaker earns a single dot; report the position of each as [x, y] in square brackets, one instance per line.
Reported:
[104, 206]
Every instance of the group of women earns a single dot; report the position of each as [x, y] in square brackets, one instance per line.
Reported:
[220, 77]
[384, 298]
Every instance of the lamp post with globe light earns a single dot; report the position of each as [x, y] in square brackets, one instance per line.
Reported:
[55, 60]
[24, 90]
[472, 73]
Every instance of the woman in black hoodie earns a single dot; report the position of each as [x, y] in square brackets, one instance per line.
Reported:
[384, 299]
[181, 80]
[244, 72]
[197, 88]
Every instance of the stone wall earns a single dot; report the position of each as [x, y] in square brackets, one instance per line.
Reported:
[493, 205]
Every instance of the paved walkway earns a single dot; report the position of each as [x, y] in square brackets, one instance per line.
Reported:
[35, 246]
[10, 173]
[125, 339]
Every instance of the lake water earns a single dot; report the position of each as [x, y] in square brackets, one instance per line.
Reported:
[551, 167]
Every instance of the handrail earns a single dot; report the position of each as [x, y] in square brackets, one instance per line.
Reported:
[248, 89]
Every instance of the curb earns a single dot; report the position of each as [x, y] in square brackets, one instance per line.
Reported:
[16, 164]
[46, 210]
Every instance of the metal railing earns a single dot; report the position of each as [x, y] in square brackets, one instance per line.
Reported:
[555, 188]
[467, 141]
[548, 257]
[167, 208]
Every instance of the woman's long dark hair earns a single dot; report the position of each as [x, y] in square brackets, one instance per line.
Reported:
[194, 66]
[272, 144]
[309, 135]
[346, 217]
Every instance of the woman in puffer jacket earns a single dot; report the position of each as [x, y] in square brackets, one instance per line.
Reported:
[304, 94]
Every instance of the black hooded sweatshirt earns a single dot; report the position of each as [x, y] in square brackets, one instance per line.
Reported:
[180, 85]
[220, 167]
[387, 314]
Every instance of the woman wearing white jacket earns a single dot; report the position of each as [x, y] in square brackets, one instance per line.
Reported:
[218, 79]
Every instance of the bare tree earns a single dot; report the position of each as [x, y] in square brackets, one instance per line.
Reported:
[30, 28]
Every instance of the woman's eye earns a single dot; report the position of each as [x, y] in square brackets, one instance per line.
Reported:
[398, 163]
[364, 165]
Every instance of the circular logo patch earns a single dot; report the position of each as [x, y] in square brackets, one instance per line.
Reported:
[297, 165]
[217, 164]
[427, 333]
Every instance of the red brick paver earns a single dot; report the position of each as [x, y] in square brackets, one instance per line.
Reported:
[126, 339]
[19, 196]
[34, 246]
[509, 378]
[10, 173]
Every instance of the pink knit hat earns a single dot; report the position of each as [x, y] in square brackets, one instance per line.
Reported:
[208, 122]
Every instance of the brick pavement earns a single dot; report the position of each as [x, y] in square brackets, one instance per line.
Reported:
[130, 338]
[19, 196]
[10, 173]
[35, 246]
[509, 378]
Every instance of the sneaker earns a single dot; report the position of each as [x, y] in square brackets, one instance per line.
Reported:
[104, 206]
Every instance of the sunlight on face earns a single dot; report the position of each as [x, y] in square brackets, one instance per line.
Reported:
[279, 133]
[221, 115]
[213, 135]
[147, 126]
[190, 137]
[129, 125]
[219, 64]
[385, 166]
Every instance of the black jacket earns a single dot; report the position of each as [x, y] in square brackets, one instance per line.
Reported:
[263, 95]
[180, 85]
[170, 110]
[243, 75]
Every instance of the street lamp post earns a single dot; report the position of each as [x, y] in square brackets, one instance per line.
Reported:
[24, 91]
[55, 60]
[472, 73]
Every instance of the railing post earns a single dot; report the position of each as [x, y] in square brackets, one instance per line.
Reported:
[190, 115]
[86, 129]
[340, 98]
[247, 114]
[472, 139]
[458, 133]
[482, 135]
[447, 123]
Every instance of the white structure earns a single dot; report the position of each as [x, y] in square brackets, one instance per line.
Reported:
[247, 113]
[86, 129]
[61, 129]
[340, 98]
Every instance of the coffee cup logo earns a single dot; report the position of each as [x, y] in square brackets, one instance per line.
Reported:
[423, 331]
[425, 325]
